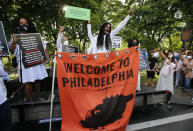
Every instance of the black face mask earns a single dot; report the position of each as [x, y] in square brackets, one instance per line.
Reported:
[24, 28]
[133, 44]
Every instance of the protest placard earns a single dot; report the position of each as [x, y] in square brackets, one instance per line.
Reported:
[77, 13]
[32, 49]
[116, 42]
[69, 49]
[4, 50]
[143, 60]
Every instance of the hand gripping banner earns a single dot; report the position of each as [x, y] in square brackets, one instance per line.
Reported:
[97, 91]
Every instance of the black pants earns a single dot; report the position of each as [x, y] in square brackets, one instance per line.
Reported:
[5, 116]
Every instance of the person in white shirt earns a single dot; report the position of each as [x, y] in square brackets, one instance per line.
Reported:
[30, 76]
[165, 81]
[5, 111]
[101, 43]
[61, 40]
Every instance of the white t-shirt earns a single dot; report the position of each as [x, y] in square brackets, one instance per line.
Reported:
[93, 49]
[59, 42]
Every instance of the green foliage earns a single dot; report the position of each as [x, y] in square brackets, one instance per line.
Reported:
[156, 23]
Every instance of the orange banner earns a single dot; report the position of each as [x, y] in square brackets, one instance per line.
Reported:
[97, 92]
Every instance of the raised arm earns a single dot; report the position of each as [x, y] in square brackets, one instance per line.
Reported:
[89, 31]
[122, 24]
[59, 41]
[162, 54]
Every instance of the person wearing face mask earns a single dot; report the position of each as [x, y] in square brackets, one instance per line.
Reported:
[183, 57]
[29, 76]
[101, 43]
[153, 65]
[61, 40]
[165, 81]
[133, 43]
[187, 65]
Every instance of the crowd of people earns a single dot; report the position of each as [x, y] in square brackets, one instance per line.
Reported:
[176, 66]
[181, 63]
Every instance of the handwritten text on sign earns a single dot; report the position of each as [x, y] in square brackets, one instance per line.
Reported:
[77, 13]
[116, 42]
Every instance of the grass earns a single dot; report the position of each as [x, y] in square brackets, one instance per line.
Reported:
[143, 77]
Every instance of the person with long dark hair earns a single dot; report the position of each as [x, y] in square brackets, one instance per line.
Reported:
[165, 81]
[102, 42]
[30, 76]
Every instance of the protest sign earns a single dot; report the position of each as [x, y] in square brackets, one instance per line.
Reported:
[186, 34]
[77, 13]
[143, 60]
[97, 91]
[116, 42]
[32, 49]
[4, 50]
[69, 49]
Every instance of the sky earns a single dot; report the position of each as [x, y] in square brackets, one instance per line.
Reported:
[122, 1]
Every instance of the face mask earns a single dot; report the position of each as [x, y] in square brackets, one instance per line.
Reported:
[170, 56]
[134, 43]
[24, 28]
[189, 57]
[184, 56]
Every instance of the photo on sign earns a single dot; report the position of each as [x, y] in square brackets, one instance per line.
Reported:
[32, 49]
[4, 50]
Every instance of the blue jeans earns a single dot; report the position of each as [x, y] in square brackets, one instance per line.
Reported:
[182, 79]
[187, 82]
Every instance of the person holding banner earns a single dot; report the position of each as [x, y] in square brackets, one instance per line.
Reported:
[102, 42]
[29, 76]
[61, 40]
[133, 43]
[165, 81]
[5, 111]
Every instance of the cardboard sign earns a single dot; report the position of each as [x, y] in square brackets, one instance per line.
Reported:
[32, 49]
[97, 91]
[186, 34]
[143, 61]
[77, 13]
[4, 50]
[69, 49]
[116, 42]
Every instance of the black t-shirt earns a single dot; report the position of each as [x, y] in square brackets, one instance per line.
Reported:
[152, 61]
